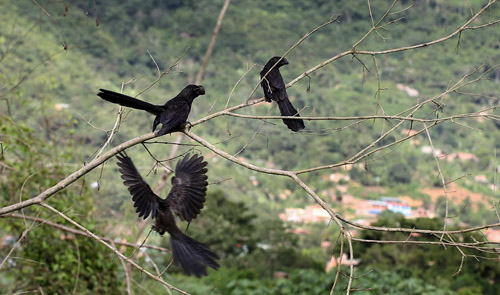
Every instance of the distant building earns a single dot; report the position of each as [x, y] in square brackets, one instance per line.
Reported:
[280, 275]
[7, 241]
[481, 118]
[493, 235]
[253, 180]
[325, 245]
[347, 167]
[309, 214]
[410, 132]
[412, 92]
[336, 177]
[463, 157]
[61, 106]
[422, 212]
[360, 208]
[389, 203]
[243, 159]
[334, 261]
[270, 164]
[427, 149]
[481, 179]
[285, 194]
[300, 231]
[396, 205]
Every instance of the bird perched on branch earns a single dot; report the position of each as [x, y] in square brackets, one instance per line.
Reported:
[185, 198]
[275, 90]
[172, 114]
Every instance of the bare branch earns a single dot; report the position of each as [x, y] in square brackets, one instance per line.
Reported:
[76, 175]
[81, 233]
[125, 258]
[212, 41]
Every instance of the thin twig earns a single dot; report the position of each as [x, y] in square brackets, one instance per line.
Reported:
[211, 45]
[97, 238]
[81, 233]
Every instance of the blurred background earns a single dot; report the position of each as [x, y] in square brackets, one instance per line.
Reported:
[271, 235]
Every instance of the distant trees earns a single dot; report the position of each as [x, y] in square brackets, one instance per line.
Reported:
[344, 79]
[427, 263]
[400, 172]
[54, 261]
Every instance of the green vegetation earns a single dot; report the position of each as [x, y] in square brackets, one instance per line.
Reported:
[439, 268]
[55, 261]
[308, 281]
[41, 144]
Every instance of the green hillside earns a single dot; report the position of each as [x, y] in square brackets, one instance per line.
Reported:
[49, 93]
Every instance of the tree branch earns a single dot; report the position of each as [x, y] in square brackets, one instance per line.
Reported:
[81, 233]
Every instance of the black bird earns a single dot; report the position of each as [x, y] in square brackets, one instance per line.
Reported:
[185, 198]
[275, 89]
[172, 114]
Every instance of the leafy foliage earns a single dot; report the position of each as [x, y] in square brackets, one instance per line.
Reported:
[52, 260]
[429, 263]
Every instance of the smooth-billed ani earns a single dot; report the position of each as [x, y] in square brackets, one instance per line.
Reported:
[275, 90]
[172, 114]
[185, 198]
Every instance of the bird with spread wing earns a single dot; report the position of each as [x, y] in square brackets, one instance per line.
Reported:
[185, 198]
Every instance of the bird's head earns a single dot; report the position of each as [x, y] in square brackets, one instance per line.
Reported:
[277, 60]
[193, 91]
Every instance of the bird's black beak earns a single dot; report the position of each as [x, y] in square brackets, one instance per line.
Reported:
[201, 90]
[284, 61]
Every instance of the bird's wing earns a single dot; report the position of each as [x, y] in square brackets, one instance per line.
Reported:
[272, 84]
[276, 80]
[145, 200]
[189, 187]
[175, 114]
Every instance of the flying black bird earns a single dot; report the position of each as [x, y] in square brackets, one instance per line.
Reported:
[172, 114]
[275, 89]
[185, 198]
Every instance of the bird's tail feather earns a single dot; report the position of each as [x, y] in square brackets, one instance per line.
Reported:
[192, 255]
[128, 101]
[287, 109]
